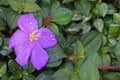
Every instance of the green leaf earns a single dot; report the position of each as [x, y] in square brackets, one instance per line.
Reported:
[117, 51]
[54, 64]
[15, 5]
[76, 72]
[12, 18]
[113, 29]
[31, 7]
[16, 75]
[86, 28]
[104, 40]
[2, 24]
[1, 39]
[88, 37]
[95, 58]
[112, 76]
[45, 1]
[67, 1]
[61, 40]
[46, 75]
[107, 21]
[118, 4]
[116, 17]
[105, 59]
[29, 68]
[95, 12]
[3, 68]
[54, 4]
[45, 8]
[92, 41]
[86, 18]
[55, 53]
[102, 9]
[88, 71]
[5, 43]
[83, 6]
[71, 39]
[98, 24]
[62, 15]
[4, 2]
[111, 9]
[75, 77]
[74, 28]
[28, 0]
[94, 45]
[4, 52]
[63, 74]
[13, 66]
[28, 77]
[5, 76]
[79, 50]
[38, 16]
[4, 49]
[54, 28]
[112, 41]
[91, 0]
[3, 12]
[77, 16]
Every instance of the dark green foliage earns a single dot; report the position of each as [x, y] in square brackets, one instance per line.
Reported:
[88, 35]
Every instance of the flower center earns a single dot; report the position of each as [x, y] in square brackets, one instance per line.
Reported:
[33, 36]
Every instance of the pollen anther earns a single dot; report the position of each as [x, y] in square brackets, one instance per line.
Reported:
[33, 36]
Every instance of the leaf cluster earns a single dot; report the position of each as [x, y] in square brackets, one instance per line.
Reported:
[88, 34]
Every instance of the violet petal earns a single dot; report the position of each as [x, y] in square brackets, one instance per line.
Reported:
[47, 38]
[27, 23]
[39, 57]
[23, 51]
[18, 37]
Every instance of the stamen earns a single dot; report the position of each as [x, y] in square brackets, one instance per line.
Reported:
[33, 36]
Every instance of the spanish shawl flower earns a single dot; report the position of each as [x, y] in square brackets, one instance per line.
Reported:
[29, 42]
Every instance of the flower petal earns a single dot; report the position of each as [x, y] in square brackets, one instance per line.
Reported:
[47, 38]
[39, 57]
[27, 23]
[18, 37]
[23, 52]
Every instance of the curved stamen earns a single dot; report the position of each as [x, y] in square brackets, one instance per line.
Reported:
[33, 36]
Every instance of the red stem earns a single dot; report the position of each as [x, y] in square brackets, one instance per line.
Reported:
[108, 67]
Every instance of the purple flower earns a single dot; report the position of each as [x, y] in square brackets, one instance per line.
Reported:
[29, 42]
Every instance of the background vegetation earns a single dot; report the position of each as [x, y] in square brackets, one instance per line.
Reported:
[88, 34]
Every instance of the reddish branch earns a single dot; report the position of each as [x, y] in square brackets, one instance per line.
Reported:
[108, 67]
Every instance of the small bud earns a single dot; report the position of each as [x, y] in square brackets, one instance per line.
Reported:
[47, 21]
